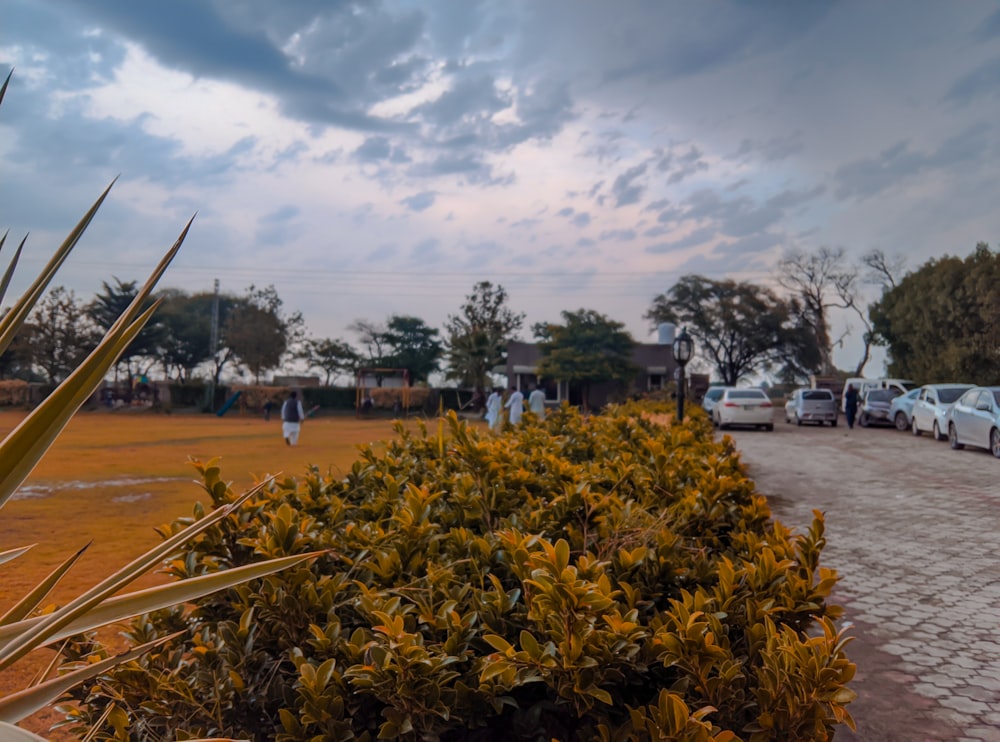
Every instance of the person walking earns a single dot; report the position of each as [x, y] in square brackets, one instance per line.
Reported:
[493, 409]
[292, 416]
[515, 403]
[536, 401]
[850, 404]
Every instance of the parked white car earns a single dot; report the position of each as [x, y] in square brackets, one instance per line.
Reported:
[930, 410]
[974, 420]
[811, 406]
[901, 409]
[744, 407]
[711, 397]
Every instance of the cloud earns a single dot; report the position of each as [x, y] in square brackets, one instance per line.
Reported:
[983, 81]
[625, 190]
[419, 201]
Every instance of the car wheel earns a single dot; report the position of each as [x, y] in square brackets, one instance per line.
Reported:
[833, 423]
[901, 423]
[995, 442]
[937, 432]
[863, 420]
[798, 420]
[770, 426]
[913, 426]
[953, 438]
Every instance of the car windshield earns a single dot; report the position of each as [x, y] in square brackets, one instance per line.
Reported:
[818, 394]
[747, 394]
[996, 396]
[951, 393]
[714, 394]
[882, 395]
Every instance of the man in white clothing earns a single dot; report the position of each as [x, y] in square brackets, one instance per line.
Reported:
[536, 401]
[493, 409]
[515, 403]
[292, 416]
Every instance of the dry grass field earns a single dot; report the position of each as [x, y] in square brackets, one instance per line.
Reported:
[111, 477]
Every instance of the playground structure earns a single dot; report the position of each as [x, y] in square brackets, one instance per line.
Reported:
[378, 395]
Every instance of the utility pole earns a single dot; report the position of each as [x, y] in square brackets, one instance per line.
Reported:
[213, 346]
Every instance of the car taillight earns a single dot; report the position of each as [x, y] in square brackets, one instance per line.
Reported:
[767, 404]
[730, 404]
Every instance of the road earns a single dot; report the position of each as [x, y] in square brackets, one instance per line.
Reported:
[913, 528]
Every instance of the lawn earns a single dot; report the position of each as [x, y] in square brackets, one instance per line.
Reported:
[111, 477]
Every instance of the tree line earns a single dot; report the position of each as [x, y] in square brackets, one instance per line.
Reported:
[938, 323]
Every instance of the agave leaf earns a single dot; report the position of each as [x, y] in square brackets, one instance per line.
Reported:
[11, 322]
[11, 733]
[151, 599]
[8, 274]
[11, 554]
[3, 88]
[24, 446]
[30, 601]
[24, 703]
[38, 634]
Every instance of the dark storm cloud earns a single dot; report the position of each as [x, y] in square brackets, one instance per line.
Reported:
[870, 176]
[625, 190]
[420, 201]
[983, 81]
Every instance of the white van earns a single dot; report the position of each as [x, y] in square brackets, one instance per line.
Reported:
[863, 385]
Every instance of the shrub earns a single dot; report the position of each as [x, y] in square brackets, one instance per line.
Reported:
[580, 578]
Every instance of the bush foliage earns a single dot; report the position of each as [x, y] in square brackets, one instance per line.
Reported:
[605, 578]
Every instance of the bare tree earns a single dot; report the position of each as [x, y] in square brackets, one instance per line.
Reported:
[882, 270]
[822, 280]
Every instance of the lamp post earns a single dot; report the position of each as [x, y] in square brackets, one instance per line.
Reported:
[683, 348]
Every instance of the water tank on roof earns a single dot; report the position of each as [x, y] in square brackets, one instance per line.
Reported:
[665, 333]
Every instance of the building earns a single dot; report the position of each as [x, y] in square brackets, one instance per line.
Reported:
[654, 360]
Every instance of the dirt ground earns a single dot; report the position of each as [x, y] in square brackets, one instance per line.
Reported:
[912, 530]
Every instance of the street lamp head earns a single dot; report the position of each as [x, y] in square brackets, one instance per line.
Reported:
[683, 348]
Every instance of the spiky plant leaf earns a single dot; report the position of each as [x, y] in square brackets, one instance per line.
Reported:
[9, 273]
[24, 703]
[29, 602]
[152, 599]
[11, 554]
[11, 733]
[41, 632]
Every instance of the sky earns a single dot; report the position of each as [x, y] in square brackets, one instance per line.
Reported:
[382, 157]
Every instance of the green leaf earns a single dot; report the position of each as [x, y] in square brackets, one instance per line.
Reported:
[9, 273]
[497, 642]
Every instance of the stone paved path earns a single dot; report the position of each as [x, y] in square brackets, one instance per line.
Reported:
[913, 528]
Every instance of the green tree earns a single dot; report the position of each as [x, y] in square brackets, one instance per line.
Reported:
[258, 333]
[478, 335]
[330, 356]
[413, 345]
[740, 327]
[588, 348]
[58, 335]
[108, 305]
[941, 322]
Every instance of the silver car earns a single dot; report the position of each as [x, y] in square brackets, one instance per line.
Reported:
[811, 406]
[974, 420]
[930, 411]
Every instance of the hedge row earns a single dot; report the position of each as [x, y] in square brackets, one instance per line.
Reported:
[602, 578]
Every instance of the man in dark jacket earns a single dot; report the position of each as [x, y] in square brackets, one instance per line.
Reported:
[292, 416]
[851, 404]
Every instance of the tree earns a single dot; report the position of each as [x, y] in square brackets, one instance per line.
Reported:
[413, 345]
[740, 327]
[186, 323]
[330, 356]
[941, 323]
[108, 305]
[478, 335]
[58, 335]
[588, 348]
[823, 281]
[259, 333]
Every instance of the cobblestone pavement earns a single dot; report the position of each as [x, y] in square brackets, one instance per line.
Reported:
[913, 528]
